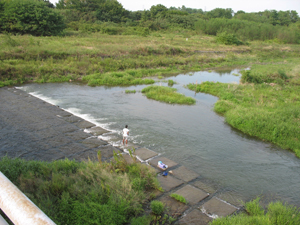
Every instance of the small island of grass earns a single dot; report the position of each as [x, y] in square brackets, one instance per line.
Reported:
[167, 94]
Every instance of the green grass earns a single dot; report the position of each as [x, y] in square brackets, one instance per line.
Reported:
[276, 214]
[157, 207]
[269, 111]
[178, 198]
[130, 91]
[98, 59]
[168, 95]
[70, 192]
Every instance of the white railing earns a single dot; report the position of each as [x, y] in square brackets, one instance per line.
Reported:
[18, 208]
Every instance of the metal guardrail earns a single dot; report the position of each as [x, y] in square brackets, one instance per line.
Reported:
[18, 208]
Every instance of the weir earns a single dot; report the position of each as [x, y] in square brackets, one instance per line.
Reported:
[57, 134]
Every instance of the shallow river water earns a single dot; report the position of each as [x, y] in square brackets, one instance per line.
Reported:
[193, 136]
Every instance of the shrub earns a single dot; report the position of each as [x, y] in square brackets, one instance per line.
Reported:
[31, 17]
[228, 39]
[157, 207]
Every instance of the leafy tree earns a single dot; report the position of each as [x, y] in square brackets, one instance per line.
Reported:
[220, 13]
[112, 11]
[156, 9]
[31, 17]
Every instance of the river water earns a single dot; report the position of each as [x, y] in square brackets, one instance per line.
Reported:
[193, 136]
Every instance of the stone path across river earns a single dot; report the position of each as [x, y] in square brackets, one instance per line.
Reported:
[33, 129]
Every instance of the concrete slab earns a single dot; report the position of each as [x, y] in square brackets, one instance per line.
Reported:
[130, 146]
[58, 140]
[192, 194]
[72, 148]
[45, 155]
[72, 119]
[195, 217]
[173, 207]
[206, 186]
[84, 124]
[184, 174]
[97, 131]
[216, 207]
[78, 135]
[85, 156]
[233, 198]
[144, 153]
[168, 162]
[108, 151]
[63, 113]
[93, 142]
[167, 182]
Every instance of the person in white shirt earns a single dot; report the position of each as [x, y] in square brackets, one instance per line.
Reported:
[125, 134]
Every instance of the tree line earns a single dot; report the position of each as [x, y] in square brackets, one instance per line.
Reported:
[40, 17]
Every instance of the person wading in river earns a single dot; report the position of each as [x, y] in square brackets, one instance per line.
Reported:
[125, 134]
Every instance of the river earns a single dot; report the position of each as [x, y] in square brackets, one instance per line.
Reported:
[194, 136]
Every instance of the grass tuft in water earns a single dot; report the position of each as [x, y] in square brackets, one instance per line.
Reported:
[168, 95]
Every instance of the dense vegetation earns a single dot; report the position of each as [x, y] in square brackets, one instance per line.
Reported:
[70, 192]
[276, 213]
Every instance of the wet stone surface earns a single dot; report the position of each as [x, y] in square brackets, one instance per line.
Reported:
[195, 217]
[96, 131]
[192, 194]
[173, 207]
[34, 129]
[168, 182]
[184, 174]
[144, 153]
[206, 186]
[218, 208]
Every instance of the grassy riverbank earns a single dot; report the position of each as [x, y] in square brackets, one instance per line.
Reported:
[101, 59]
[70, 192]
[276, 213]
[267, 109]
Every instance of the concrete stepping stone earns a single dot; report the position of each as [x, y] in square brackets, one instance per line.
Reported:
[207, 187]
[167, 182]
[216, 207]
[97, 131]
[192, 194]
[129, 146]
[78, 135]
[108, 151]
[195, 217]
[93, 142]
[144, 153]
[173, 207]
[84, 124]
[233, 198]
[128, 159]
[166, 161]
[184, 174]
